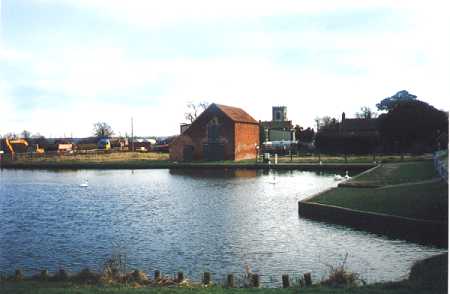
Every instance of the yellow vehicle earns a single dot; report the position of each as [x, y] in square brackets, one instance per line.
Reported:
[10, 144]
[104, 144]
[39, 150]
[15, 144]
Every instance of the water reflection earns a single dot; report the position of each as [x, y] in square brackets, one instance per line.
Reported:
[215, 173]
[189, 220]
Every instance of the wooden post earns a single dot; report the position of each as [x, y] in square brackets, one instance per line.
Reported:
[285, 279]
[206, 278]
[18, 276]
[230, 281]
[308, 281]
[62, 275]
[180, 277]
[157, 275]
[255, 281]
[44, 275]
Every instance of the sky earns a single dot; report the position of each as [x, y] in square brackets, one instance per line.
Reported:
[66, 64]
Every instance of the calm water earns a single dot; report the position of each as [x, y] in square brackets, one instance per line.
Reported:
[217, 221]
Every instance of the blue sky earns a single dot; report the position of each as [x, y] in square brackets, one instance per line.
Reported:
[66, 64]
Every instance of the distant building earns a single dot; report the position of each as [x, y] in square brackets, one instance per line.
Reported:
[220, 133]
[358, 126]
[279, 128]
[279, 113]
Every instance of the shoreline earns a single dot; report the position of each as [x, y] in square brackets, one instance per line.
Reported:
[337, 205]
[190, 165]
[428, 275]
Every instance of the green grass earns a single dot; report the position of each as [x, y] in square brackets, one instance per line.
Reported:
[42, 288]
[426, 276]
[398, 173]
[427, 201]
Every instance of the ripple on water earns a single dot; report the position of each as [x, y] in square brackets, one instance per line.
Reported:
[194, 221]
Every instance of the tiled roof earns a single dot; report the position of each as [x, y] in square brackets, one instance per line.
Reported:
[236, 114]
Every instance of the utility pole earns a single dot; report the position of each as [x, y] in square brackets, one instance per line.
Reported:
[132, 135]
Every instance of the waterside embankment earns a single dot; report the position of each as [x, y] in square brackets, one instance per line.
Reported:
[400, 200]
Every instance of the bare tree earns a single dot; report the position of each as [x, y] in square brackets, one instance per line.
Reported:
[25, 134]
[11, 136]
[367, 113]
[326, 122]
[103, 130]
[194, 110]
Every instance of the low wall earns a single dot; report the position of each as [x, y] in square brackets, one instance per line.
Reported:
[415, 230]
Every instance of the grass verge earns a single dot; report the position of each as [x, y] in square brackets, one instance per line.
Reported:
[428, 201]
[426, 276]
[398, 173]
[421, 200]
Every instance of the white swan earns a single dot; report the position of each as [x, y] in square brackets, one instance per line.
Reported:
[347, 177]
[338, 177]
[85, 184]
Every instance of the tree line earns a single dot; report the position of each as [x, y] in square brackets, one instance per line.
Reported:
[406, 125]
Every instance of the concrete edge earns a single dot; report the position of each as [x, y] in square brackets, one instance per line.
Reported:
[416, 230]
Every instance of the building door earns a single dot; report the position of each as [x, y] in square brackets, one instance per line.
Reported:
[214, 151]
[188, 153]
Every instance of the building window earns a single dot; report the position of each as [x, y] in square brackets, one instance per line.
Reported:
[278, 115]
[213, 131]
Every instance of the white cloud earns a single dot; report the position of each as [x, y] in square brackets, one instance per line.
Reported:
[413, 57]
[154, 14]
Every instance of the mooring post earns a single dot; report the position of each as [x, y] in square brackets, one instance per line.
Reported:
[255, 280]
[18, 275]
[62, 275]
[206, 278]
[157, 275]
[44, 275]
[285, 279]
[308, 281]
[180, 277]
[230, 281]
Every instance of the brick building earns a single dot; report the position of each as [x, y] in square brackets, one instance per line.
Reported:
[220, 133]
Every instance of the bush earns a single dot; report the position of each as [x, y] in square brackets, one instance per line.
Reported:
[339, 277]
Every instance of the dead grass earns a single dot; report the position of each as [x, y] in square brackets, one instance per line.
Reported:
[99, 157]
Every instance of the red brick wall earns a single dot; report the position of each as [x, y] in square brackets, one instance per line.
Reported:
[246, 136]
[197, 135]
[177, 146]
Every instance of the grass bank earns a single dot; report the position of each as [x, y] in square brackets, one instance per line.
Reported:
[427, 201]
[39, 288]
[397, 173]
[404, 189]
[401, 200]
[426, 276]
